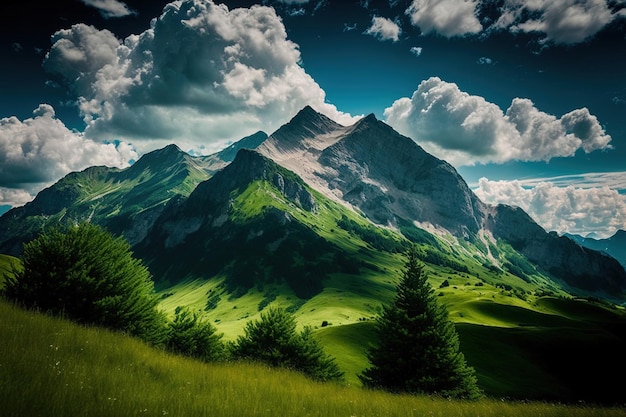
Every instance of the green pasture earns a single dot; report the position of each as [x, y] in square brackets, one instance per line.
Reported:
[51, 367]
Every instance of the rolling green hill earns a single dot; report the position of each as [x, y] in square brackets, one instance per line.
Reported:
[51, 367]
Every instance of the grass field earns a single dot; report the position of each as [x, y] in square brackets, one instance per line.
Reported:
[51, 367]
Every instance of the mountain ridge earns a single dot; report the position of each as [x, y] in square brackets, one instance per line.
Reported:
[367, 167]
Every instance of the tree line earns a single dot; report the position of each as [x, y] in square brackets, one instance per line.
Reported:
[86, 274]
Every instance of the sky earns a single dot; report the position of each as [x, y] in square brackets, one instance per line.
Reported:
[525, 98]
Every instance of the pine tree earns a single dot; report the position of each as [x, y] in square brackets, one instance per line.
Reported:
[417, 348]
[274, 340]
[87, 275]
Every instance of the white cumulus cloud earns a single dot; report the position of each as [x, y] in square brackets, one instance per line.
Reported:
[569, 209]
[202, 75]
[465, 129]
[38, 151]
[445, 17]
[558, 21]
[109, 8]
[384, 29]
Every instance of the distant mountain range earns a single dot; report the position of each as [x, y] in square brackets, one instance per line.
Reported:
[173, 208]
[614, 246]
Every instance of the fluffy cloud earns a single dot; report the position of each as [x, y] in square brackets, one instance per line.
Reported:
[384, 29]
[446, 17]
[109, 8]
[556, 21]
[39, 150]
[10, 197]
[200, 76]
[466, 129]
[561, 21]
[570, 209]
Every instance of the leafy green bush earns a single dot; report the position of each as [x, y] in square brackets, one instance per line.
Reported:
[273, 340]
[188, 335]
[86, 274]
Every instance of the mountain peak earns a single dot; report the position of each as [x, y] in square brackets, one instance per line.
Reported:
[370, 118]
[307, 123]
[168, 156]
[247, 167]
[249, 142]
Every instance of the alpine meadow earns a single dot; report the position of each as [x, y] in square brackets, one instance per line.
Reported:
[313, 208]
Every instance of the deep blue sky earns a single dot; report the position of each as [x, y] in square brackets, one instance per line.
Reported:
[87, 96]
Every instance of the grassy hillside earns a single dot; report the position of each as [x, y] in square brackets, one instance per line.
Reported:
[7, 263]
[520, 331]
[51, 367]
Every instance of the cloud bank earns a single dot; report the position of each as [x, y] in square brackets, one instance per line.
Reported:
[555, 21]
[38, 151]
[464, 129]
[570, 209]
[559, 21]
[202, 75]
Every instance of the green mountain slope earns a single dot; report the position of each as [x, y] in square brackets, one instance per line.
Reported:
[125, 201]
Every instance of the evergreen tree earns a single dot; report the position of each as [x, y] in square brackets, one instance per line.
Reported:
[274, 340]
[417, 348]
[189, 335]
[87, 275]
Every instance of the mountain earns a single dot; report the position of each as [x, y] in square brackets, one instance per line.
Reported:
[316, 220]
[168, 197]
[614, 246]
[578, 267]
[248, 220]
[370, 167]
[125, 201]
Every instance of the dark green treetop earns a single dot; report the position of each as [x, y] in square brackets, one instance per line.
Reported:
[86, 274]
[417, 349]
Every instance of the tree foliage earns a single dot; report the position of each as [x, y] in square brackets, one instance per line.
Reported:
[86, 274]
[417, 348]
[274, 340]
[189, 335]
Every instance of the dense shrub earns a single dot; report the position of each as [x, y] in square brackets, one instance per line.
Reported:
[189, 335]
[86, 274]
[274, 340]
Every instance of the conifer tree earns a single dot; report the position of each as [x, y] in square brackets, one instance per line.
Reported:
[274, 340]
[86, 274]
[417, 349]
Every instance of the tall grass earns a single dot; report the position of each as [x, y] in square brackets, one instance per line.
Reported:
[51, 367]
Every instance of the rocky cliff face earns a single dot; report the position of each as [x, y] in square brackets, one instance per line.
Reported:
[371, 167]
[563, 258]
[614, 245]
[388, 175]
